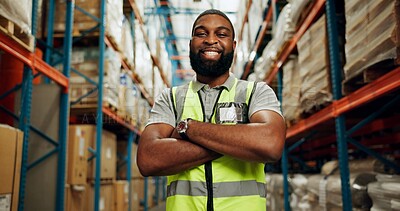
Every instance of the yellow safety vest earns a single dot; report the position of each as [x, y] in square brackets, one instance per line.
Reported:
[224, 184]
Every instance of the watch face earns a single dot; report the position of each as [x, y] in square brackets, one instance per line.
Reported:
[181, 126]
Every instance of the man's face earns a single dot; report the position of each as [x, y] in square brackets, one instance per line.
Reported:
[212, 46]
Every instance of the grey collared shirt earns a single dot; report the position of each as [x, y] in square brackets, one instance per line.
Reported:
[264, 98]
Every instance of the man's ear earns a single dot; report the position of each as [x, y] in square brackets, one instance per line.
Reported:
[234, 45]
[190, 43]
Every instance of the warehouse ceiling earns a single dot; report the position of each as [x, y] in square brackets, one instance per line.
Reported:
[178, 17]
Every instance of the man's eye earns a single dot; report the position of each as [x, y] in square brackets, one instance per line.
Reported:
[201, 34]
[222, 35]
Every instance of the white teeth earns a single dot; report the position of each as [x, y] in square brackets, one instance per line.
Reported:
[211, 53]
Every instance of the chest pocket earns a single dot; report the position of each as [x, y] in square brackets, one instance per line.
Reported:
[231, 113]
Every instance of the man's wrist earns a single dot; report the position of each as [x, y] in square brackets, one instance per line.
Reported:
[182, 128]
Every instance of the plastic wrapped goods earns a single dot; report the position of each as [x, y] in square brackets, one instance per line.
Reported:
[19, 12]
[291, 91]
[371, 34]
[325, 191]
[385, 193]
[314, 69]
[356, 166]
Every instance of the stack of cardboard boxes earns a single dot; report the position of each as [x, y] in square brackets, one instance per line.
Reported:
[114, 194]
[11, 141]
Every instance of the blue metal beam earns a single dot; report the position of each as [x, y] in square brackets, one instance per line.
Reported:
[372, 116]
[99, 123]
[24, 124]
[301, 162]
[41, 159]
[84, 76]
[84, 33]
[146, 200]
[374, 154]
[336, 71]
[301, 141]
[64, 108]
[50, 33]
[84, 96]
[37, 131]
[131, 138]
[15, 88]
[87, 13]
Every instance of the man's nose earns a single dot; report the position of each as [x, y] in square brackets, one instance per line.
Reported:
[211, 39]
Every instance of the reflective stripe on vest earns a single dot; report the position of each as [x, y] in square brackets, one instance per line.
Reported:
[225, 189]
[236, 184]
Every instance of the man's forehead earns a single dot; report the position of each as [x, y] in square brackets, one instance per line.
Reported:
[224, 23]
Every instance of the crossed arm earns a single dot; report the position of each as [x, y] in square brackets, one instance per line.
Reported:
[162, 152]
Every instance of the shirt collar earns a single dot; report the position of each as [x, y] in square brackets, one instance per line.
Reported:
[228, 84]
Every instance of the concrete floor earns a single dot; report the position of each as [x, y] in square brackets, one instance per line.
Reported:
[159, 207]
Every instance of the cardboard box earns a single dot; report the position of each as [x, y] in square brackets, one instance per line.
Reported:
[78, 144]
[123, 153]
[121, 195]
[108, 155]
[137, 193]
[106, 200]
[11, 140]
[75, 197]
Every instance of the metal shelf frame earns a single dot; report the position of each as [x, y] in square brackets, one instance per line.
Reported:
[153, 58]
[33, 63]
[100, 110]
[133, 131]
[260, 37]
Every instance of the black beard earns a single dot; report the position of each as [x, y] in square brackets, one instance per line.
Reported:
[211, 68]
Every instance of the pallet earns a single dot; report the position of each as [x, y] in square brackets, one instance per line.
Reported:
[15, 32]
[103, 181]
[93, 105]
[126, 117]
[367, 75]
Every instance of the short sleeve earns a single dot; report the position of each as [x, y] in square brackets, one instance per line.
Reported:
[264, 98]
[162, 111]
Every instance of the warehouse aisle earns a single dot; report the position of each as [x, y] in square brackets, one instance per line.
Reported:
[159, 207]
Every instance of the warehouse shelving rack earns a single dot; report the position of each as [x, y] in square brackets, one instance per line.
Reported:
[300, 132]
[33, 62]
[101, 110]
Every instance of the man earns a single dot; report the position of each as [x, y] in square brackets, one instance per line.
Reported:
[212, 136]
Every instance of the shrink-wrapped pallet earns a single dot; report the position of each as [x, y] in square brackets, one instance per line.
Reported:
[286, 25]
[314, 68]
[298, 197]
[325, 191]
[86, 62]
[114, 18]
[371, 34]
[19, 12]
[385, 193]
[127, 41]
[143, 61]
[83, 22]
[291, 91]
[255, 19]
[274, 190]
[356, 166]
[128, 99]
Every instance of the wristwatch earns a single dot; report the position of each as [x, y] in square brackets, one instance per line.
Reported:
[182, 127]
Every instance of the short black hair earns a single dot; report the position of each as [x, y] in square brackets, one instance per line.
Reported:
[214, 12]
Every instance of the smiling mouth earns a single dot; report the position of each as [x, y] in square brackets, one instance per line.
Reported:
[210, 53]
